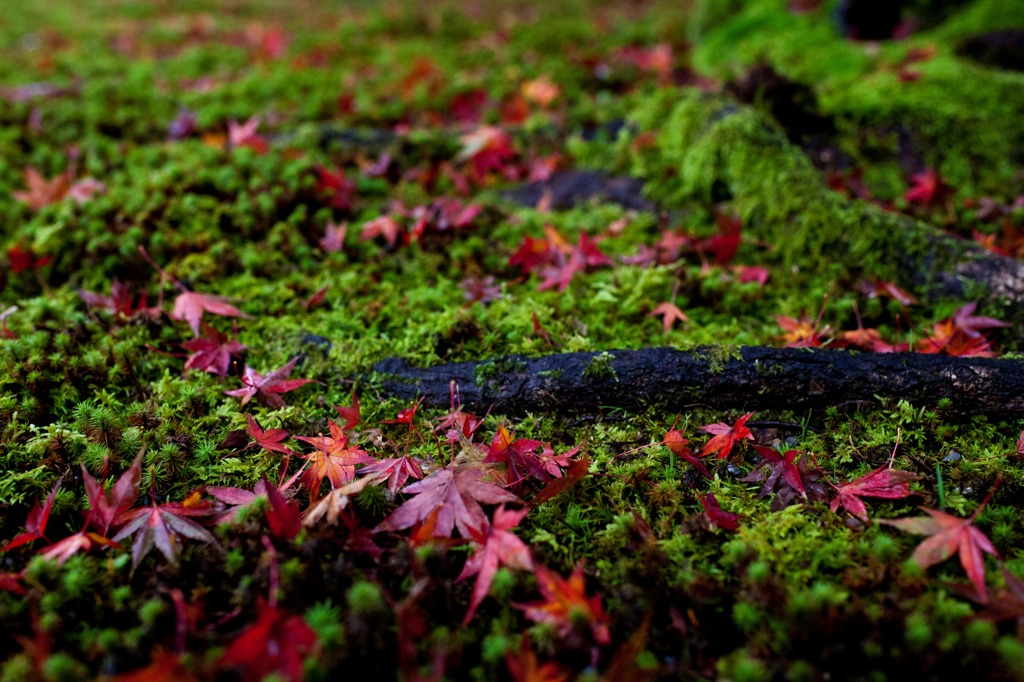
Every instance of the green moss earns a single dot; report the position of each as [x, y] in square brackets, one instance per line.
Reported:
[601, 368]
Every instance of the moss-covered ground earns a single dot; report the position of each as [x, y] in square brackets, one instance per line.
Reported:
[332, 175]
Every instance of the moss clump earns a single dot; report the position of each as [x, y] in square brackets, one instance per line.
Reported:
[601, 368]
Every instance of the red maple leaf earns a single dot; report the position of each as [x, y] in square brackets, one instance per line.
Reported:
[120, 301]
[275, 643]
[383, 226]
[163, 526]
[333, 459]
[244, 135]
[21, 258]
[1008, 603]
[489, 149]
[336, 187]
[726, 436]
[494, 546]
[455, 497]
[351, 413]
[524, 666]
[190, 306]
[574, 473]
[42, 192]
[269, 439]
[677, 443]
[563, 265]
[212, 353]
[802, 333]
[786, 477]
[11, 582]
[566, 605]
[267, 389]
[960, 334]
[949, 535]
[670, 314]
[726, 243]
[883, 482]
[35, 524]
[523, 460]
[62, 550]
[970, 324]
[869, 340]
[395, 470]
[106, 511]
[283, 515]
[881, 289]
[334, 237]
[927, 189]
[718, 516]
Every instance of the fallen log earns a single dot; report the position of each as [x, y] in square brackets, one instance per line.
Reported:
[744, 378]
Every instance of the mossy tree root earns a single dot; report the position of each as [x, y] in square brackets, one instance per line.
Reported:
[711, 148]
[745, 378]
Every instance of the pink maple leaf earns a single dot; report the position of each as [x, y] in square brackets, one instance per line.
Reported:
[267, 389]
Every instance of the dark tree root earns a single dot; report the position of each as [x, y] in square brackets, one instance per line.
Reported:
[746, 378]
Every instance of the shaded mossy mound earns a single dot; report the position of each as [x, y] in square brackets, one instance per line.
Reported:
[711, 149]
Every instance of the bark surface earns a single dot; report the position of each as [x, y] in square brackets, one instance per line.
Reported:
[745, 378]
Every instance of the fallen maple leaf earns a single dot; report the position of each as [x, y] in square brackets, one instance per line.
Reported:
[927, 189]
[120, 301]
[540, 91]
[244, 135]
[726, 243]
[267, 389]
[212, 353]
[42, 192]
[333, 459]
[670, 314]
[395, 470]
[11, 582]
[107, 511]
[494, 546]
[949, 535]
[524, 667]
[382, 226]
[677, 443]
[283, 515]
[162, 525]
[190, 307]
[35, 524]
[884, 482]
[334, 237]
[787, 478]
[970, 324]
[334, 185]
[574, 473]
[718, 516]
[1008, 603]
[351, 413]
[275, 643]
[269, 439]
[62, 550]
[566, 605]
[455, 496]
[726, 436]
[523, 460]
[21, 258]
[802, 333]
